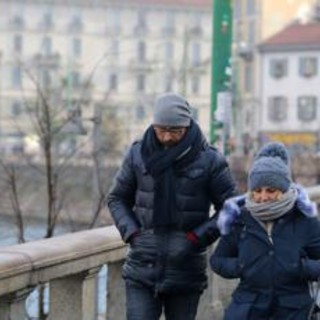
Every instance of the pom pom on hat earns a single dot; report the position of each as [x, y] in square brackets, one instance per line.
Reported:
[274, 149]
[271, 168]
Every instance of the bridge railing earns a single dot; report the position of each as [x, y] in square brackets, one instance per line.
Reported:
[70, 264]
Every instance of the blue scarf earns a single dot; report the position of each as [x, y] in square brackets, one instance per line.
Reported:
[163, 165]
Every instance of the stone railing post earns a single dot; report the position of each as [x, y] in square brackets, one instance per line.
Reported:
[12, 306]
[74, 297]
[116, 309]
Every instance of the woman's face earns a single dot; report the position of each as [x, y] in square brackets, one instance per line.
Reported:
[265, 194]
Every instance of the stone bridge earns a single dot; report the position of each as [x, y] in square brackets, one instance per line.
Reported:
[70, 264]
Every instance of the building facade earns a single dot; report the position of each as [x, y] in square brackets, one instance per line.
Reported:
[115, 56]
[253, 22]
[290, 82]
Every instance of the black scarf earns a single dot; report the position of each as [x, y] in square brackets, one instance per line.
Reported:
[163, 164]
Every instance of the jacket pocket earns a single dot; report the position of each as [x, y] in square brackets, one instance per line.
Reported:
[180, 247]
[143, 248]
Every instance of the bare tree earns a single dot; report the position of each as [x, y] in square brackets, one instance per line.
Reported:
[52, 118]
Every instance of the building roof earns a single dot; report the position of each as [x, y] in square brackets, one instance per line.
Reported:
[201, 4]
[192, 3]
[296, 36]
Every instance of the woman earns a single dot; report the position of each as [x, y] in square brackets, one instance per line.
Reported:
[271, 241]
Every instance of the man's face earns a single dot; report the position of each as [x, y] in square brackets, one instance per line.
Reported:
[169, 136]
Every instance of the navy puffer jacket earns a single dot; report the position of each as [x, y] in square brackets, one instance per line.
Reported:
[168, 261]
[274, 270]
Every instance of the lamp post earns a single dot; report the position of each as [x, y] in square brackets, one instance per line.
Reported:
[221, 52]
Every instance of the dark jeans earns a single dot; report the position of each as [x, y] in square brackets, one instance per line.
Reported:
[142, 304]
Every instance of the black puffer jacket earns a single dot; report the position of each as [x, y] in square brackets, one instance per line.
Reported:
[168, 261]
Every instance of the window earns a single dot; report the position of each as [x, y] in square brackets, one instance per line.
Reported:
[76, 24]
[16, 108]
[141, 83]
[75, 79]
[195, 21]
[237, 9]
[195, 29]
[113, 82]
[251, 4]
[114, 48]
[114, 21]
[141, 25]
[168, 83]
[308, 67]
[169, 26]
[278, 68]
[195, 84]
[16, 77]
[307, 108]
[76, 47]
[46, 46]
[141, 51]
[17, 22]
[140, 112]
[251, 32]
[45, 78]
[47, 22]
[248, 83]
[278, 108]
[17, 43]
[196, 54]
[168, 51]
[195, 113]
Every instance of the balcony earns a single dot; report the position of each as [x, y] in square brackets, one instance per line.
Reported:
[168, 32]
[50, 61]
[141, 66]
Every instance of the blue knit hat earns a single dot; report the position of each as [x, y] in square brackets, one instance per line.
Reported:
[271, 168]
[172, 110]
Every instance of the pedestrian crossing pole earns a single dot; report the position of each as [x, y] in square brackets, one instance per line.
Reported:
[221, 53]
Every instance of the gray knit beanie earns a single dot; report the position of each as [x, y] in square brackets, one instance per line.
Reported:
[271, 168]
[172, 110]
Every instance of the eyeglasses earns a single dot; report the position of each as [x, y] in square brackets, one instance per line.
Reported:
[172, 130]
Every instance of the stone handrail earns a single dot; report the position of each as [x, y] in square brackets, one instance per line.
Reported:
[314, 193]
[70, 263]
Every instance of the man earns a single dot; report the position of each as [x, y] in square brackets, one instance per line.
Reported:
[160, 203]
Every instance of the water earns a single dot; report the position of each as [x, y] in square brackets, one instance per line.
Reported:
[34, 230]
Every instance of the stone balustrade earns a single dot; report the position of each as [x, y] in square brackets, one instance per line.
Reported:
[70, 264]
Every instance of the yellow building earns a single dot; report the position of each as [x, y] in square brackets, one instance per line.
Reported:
[253, 22]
